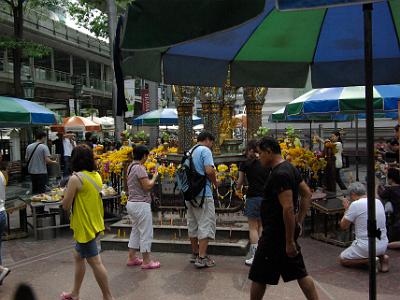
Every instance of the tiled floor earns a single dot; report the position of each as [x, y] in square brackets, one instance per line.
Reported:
[48, 267]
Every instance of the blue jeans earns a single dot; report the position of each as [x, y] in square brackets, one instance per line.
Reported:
[3, 220]
[87, 250]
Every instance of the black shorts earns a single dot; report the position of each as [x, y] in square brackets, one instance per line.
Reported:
[270, 264]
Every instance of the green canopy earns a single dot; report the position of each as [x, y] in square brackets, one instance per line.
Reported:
[158, 23]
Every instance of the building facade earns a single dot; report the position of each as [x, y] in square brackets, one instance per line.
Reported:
[74, 57]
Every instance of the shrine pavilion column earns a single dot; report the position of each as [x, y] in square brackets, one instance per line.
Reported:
[211, 104]
[184, 96]
[254, 98]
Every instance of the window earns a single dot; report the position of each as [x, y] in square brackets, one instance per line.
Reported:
[61, 61]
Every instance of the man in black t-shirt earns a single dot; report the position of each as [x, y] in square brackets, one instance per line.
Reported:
[278, 253]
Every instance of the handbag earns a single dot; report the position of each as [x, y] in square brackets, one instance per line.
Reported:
[26, 167]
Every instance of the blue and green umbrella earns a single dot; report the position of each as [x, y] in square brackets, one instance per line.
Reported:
[343, 100]
[278, 49]
[164, 116]
[15, 112]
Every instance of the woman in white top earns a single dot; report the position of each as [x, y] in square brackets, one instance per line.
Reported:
[3, 216]
[336, 139]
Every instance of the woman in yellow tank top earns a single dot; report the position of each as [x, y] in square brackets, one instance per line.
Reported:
[82, 197]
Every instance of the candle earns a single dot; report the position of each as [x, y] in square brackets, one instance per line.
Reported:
[119, 233]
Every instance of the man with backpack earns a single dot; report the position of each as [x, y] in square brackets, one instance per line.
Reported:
[201, 219]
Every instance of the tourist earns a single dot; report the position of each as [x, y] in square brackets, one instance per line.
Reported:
[3, 216]
[256, 176]
[390, 195]
[37, 157]
[201, 219]
[68, 145]
[82, 197]
[139, 209]
[282, 215]
[59, 144]
[88, 139]
[392, 153]
[336, 139]
[356, 212]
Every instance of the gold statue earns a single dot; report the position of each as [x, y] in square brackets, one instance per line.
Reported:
[227, 125]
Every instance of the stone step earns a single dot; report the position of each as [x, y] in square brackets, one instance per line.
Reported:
[165, 231]
[238, 247]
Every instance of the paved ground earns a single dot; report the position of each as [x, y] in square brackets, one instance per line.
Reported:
[48, 267]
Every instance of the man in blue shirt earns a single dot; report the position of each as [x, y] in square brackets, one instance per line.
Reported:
[201, 220]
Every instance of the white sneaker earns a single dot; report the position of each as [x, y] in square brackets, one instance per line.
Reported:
[4, 274]
[249, 262]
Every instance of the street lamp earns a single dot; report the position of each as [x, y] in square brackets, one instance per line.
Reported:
[29, 88]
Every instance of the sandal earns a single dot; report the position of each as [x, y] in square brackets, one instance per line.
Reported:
[151, 265]
[67, 296]
[134, 262]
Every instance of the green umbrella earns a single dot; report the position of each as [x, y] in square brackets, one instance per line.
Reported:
[16, 112]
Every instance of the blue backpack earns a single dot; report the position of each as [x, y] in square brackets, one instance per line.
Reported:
[189, 181]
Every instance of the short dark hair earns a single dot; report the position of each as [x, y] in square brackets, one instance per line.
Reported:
[88, 135]
[82, 158]
[396, 128]
[140, 151]
[205, 135]
[40, 134]
[251, 145]
[339, 135]
[269, 143]
[394, 174]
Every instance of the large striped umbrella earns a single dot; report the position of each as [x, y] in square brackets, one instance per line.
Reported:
[344, 100]
[16, 112]
[277, 49]
[163, 116]
[280, 116]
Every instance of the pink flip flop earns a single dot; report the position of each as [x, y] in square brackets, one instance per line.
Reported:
[67, 296]
[151, 265]
[134, 262]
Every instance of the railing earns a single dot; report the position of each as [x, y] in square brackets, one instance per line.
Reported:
[45, 74]
[44, 25]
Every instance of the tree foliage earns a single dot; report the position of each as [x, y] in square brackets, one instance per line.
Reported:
[29, 49]
[92, 14]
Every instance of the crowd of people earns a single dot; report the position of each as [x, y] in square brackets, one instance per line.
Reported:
[277, 200]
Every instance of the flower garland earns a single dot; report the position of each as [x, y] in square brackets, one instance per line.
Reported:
[113, 162]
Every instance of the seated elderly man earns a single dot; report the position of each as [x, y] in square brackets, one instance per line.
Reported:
[357, 213]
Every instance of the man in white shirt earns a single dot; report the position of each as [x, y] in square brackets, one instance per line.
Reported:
[69, 145]
[357, 214]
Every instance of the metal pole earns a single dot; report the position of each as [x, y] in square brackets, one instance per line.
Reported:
[357, 162]
[112, 26]
[372, 231]
[311, 135]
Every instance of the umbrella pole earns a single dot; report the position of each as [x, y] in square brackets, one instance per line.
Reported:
[357, 162]
[310, 135]
[372, 230]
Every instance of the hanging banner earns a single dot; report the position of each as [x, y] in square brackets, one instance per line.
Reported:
[145, 100]
[308, 4]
